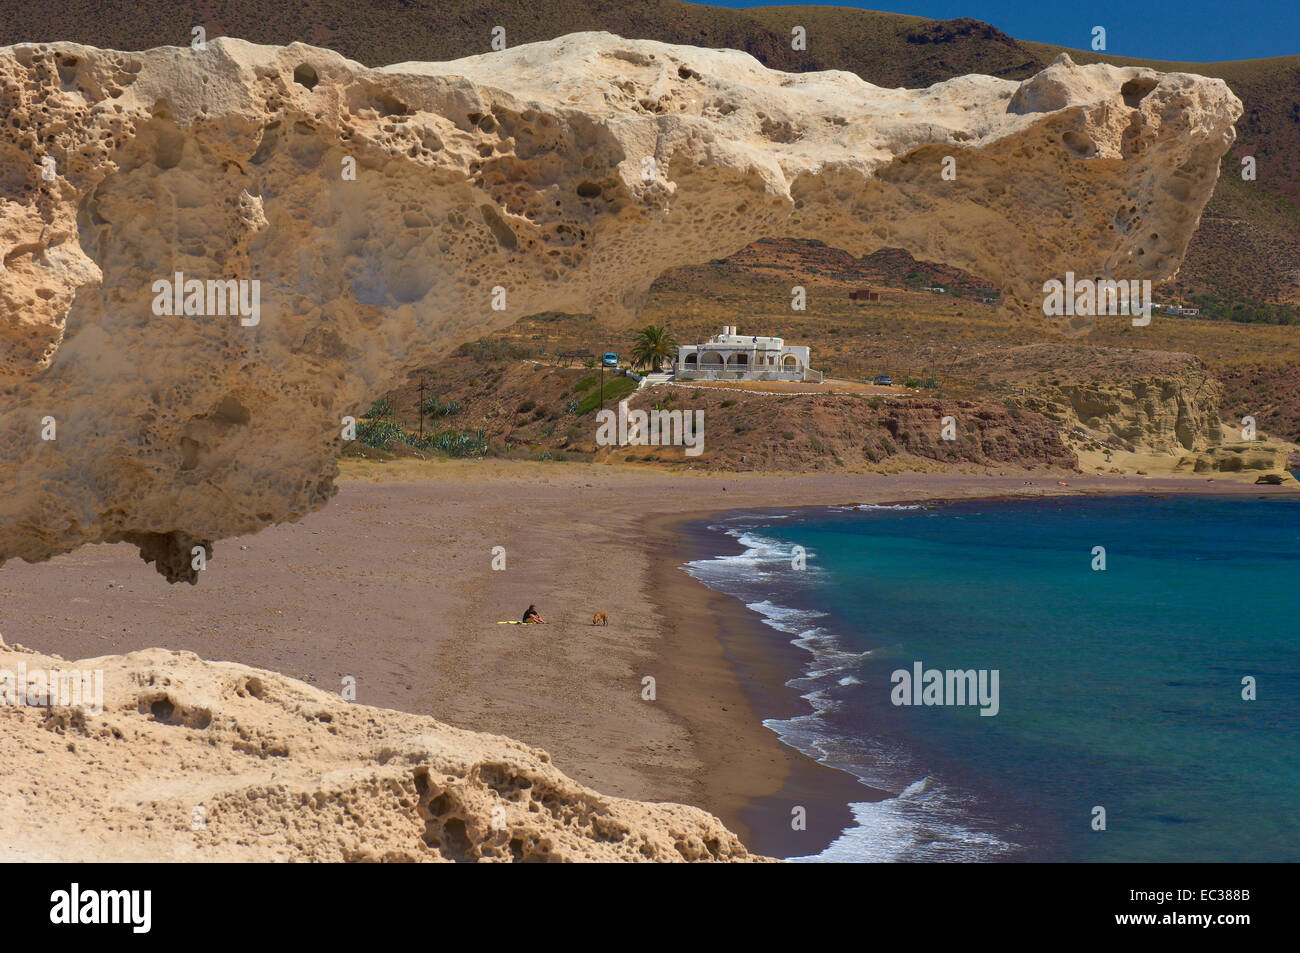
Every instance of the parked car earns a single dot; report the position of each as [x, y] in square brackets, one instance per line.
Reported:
[610, 359]
[884, 380]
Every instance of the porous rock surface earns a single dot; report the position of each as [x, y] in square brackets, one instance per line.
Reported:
[565, 175]
[1117, 398]
[1237, 457]
[215, 761]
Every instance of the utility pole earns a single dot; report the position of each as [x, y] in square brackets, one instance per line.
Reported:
[421, 406]
[602, 383]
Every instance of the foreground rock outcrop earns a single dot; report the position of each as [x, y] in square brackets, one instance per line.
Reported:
[388, 214]
[196, 760]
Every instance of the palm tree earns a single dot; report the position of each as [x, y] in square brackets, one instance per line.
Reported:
[653, 346]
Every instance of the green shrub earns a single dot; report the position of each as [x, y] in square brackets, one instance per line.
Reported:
[455, 443]
[383, 433]
[435, 408]
[379, 433]
[616, 388]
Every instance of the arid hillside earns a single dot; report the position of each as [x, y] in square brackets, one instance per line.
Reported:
[1166, 388]
[503, 404]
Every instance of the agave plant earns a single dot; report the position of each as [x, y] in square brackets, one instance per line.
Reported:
[653, 346]
[379, 433]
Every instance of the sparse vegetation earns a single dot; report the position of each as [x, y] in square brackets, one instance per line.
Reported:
[617, 387]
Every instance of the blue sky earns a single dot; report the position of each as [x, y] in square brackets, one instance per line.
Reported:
[1192, 31]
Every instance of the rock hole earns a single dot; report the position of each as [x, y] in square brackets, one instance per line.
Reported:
[440, 805]
[457, 838]
[305, 75]
[169, 148]
[421, 778]
[1078, 143]
[165, 710]
[67, 66]
[231, 411]
[1135, 90]
[267, 144]
[500, 230]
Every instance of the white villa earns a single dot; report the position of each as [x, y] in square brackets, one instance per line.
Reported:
[736, 357]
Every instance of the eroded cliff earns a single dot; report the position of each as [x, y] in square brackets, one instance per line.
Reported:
[388, 214]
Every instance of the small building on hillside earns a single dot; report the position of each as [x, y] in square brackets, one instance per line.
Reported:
[863, 295]
[737, 357]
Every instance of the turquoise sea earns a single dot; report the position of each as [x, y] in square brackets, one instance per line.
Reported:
[1119, 689]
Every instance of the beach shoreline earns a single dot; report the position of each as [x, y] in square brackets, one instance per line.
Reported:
[392, 585]
[752, 781]
[754, 795]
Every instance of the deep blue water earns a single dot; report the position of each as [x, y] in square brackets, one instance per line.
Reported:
[1120, 689]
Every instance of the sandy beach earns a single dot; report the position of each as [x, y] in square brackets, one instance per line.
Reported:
[393, 584]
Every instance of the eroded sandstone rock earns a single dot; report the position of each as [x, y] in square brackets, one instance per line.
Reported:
[194, 760]
[1236, 458]
[568, 174]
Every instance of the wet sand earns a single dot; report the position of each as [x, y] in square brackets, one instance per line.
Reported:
[393, 585]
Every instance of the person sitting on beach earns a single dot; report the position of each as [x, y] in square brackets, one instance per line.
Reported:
[532, 615]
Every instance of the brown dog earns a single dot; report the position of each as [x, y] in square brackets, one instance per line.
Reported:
[600, 618]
